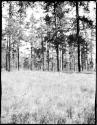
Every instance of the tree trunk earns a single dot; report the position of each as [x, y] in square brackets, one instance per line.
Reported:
[31, 57]
[48, 58]
[21, 5]
[13, 55]
[57, 46]
[52, 65]
[77, 16]
[61, 61]
[9, 55]
[62, 58]
[10, 16]
[48, 55]
[74, 63]
[18, 57]
[6, 61]
[42, 55]
[57, 51]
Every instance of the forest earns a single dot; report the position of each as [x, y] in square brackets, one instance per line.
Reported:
[48, 62]
[61, 39]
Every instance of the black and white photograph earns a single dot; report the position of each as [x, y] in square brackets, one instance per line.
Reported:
[48, 62]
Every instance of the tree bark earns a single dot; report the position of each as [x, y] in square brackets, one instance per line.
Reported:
[57, 51]
[31, 57]
[42, 54]
[7, 55]
[18, 57]
[57, 46]
[74, 63]
[10, 16]
[77, 17]
[6, 60]
[62, 58]
[13, 54]
[48, 58]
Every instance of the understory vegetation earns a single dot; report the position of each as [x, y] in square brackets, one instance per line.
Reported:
[47, 97]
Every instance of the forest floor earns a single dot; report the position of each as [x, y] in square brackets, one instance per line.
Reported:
[48, 97]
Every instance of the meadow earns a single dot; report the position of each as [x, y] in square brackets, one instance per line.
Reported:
[37, 97]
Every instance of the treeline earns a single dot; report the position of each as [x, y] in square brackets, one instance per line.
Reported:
[61, 42]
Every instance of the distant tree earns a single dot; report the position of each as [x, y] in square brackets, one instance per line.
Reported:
[26, 63]
[57, 35]
[41, 31]
[48, 23]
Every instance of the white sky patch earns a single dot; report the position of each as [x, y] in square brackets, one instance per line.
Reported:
[29, 13]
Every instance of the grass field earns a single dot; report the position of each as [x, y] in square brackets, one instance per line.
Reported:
[48, 97]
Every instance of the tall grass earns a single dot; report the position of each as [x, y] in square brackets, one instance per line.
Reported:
[47, 98]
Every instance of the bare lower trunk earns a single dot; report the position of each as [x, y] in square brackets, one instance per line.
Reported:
[6, 61]
[9, 55]
[48, 57]
[31, 57]
[74, 63]
[13, 55]
[57, 51]
[43, 55]
[62, 60]
[18, 58]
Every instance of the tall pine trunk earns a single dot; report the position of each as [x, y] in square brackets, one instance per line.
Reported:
[48, 57]
[78, 42]
[10, 16]
[7, 55]
[57, 51]
[13, 54]
[6, 60]
[31, 57]
[21, 5]
[42, 53]
[62, 58]
[18, 57]
[57, 46]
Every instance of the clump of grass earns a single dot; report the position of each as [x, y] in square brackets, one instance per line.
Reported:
[70, 112]
[43, 116]
[52, 119]
[89, 116]
[22, 118]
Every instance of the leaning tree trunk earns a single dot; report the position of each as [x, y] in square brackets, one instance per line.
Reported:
[78, 42]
